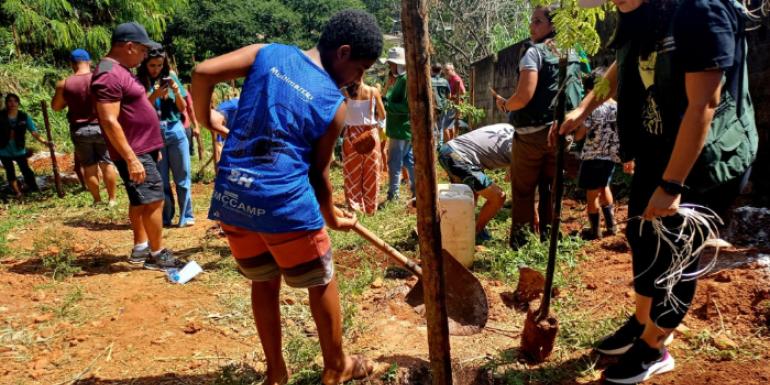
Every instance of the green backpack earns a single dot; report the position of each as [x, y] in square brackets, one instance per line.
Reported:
[732, 141]
[731, 144]
[441, 91]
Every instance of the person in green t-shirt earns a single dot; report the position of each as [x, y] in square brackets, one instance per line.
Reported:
[397, 127]
[14, 125]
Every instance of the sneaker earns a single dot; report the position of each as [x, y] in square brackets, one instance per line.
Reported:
[621, 341]
[189, 223]
[163, 261]
[112, 203]
[140, 256]
[639, 364]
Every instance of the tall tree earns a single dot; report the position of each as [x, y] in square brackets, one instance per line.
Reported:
[466, 30]
[214, 27]
[48, 29]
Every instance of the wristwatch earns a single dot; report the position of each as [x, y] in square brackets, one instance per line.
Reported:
[672, 188]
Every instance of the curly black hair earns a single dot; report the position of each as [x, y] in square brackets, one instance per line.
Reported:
[355, 28]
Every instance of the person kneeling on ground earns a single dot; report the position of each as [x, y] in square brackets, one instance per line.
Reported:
[272, 193]
[466, 157]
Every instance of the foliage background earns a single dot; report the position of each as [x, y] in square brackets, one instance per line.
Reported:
[36, 36]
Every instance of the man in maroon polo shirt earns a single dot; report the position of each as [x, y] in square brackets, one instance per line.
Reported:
[74, 93]
[132, 130]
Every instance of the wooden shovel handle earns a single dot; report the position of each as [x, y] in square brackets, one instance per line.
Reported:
[388, 249]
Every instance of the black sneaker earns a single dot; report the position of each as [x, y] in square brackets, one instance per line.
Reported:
[163, 261]
[621, 341]
[639, 364]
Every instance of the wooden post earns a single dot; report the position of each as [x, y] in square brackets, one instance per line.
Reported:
[54, 165]
[414, 16]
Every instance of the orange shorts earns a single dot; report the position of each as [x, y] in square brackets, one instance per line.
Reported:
[304, 258]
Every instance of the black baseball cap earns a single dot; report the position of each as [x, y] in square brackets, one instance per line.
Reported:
[133, 32]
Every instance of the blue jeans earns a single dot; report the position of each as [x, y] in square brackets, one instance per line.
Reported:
[399, 155]
[176, 159]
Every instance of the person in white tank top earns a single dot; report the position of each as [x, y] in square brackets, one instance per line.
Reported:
[361, 163]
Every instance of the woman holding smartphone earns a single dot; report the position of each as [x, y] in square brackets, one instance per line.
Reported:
[167, 95]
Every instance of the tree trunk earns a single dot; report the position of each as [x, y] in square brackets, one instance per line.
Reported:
[414, 16]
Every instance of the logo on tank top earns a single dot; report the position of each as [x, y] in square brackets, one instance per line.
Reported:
[232, 202]
[305, 94]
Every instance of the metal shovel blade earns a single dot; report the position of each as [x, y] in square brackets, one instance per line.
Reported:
[466, 301]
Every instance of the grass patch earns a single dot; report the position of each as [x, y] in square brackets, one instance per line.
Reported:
[69, 308]
[237, 374]
[498, 261]
[56, 253]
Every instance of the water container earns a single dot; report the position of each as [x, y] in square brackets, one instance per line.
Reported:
[458, 221]
[188, 272]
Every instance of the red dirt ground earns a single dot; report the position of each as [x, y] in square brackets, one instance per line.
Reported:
[132, 327]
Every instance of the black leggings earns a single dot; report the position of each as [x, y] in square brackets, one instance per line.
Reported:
[651, 261]
[10, 171]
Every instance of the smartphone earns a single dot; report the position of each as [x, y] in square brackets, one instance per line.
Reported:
[165, 82]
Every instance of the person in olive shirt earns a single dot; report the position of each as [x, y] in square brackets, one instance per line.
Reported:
[397, 126]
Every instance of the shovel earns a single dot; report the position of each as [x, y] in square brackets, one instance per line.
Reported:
[467, 305]
[540, 327]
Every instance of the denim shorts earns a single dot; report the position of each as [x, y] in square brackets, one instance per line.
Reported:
[461, 171]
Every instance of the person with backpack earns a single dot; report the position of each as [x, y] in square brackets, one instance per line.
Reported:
[14, 125]
[686, 119]
[531, 112]
[441, 104]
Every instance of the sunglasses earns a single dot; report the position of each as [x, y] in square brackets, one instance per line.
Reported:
[156, 52]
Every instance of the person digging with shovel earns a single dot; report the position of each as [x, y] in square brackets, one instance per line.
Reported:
[272, 194]
[682, 91]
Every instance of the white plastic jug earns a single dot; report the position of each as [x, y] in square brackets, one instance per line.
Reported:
[458, 221]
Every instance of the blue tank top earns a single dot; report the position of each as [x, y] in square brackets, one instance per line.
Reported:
[287, 103]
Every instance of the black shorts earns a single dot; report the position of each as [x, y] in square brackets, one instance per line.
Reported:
[149, 191]
[461, 171]
[595, 174]
[90, 147]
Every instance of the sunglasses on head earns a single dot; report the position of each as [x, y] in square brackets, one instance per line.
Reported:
[156, 52]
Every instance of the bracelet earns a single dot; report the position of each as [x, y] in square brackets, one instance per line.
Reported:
[672, 188]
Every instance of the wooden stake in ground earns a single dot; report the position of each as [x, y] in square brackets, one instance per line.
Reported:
[214, 151]
[200, 145]
[54, 165]
[414, 16]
